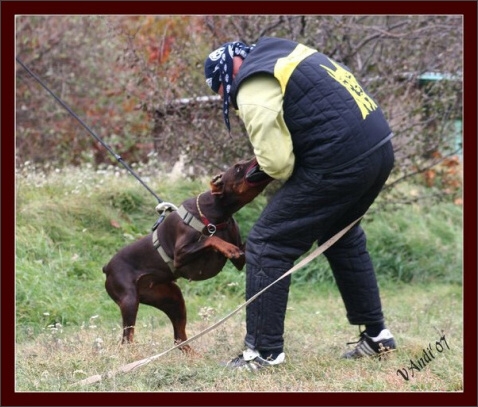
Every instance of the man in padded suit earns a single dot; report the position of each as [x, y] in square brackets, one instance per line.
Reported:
[312, 125]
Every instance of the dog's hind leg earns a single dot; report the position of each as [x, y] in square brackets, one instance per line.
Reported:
[129, 309]
[168, 298]
[126, 296]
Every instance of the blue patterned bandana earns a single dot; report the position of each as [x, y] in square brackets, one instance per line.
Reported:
[218, 70]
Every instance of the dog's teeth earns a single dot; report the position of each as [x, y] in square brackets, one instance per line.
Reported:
[216, 179]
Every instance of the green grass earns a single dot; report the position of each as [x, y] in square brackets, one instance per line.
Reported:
[70, 223]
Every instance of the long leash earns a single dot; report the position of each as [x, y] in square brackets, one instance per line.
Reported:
[134, 365]
[72, 113]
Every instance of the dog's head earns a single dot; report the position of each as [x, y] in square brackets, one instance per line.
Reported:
[240, 184]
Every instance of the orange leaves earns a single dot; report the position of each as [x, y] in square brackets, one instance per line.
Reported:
[129, 104]
[429, 176]
[159, 53]
[447, 175]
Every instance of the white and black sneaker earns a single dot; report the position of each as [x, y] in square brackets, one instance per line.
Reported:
[251, 360]
[372, 346]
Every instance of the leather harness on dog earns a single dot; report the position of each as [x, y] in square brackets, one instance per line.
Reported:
[189, 219]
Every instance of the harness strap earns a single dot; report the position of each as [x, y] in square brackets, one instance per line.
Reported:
[188, 219]
[168, 260]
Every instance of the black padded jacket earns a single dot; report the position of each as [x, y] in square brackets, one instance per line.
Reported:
[333, 122]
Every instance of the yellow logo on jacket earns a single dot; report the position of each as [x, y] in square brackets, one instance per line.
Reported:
[346, 79]
[285, 66]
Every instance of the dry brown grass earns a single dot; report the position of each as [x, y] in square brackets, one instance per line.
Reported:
[315, 337]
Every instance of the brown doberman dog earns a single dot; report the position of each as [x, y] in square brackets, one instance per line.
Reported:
[192, 242]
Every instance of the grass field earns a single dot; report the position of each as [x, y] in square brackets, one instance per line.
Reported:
[67, 329]
[316, 335]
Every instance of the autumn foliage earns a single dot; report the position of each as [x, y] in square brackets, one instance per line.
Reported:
[138, 82]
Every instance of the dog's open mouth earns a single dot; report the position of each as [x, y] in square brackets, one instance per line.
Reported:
[255, 176]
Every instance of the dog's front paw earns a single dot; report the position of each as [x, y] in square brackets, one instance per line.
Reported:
[240, 254]
[236, 254]
[233, 252]
[227, 249]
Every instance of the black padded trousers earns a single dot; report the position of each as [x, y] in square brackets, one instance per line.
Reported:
[310, 208]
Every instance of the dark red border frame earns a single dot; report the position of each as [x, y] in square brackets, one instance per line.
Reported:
[10, 8]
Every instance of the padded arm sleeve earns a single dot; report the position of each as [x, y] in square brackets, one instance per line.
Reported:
[260, 108]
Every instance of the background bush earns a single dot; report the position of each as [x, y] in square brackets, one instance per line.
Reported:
[138, 82]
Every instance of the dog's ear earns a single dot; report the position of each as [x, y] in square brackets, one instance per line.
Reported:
[217, 185]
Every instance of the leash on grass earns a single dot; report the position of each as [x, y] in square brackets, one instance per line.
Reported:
[134, 365]
[70, 111]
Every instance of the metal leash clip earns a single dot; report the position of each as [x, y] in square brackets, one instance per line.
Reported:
[163, 209]
[165, 206]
